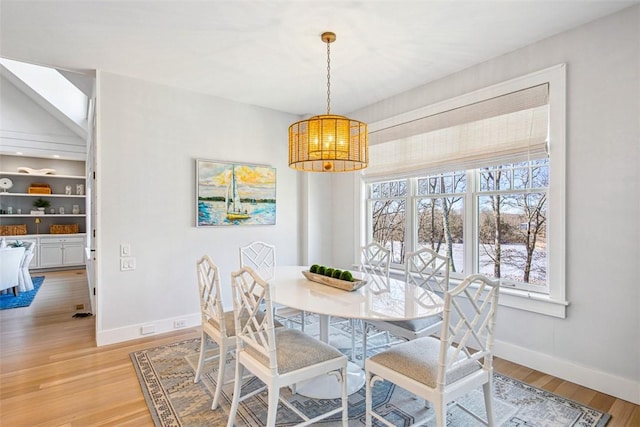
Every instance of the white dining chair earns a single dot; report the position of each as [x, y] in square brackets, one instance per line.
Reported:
[278, 357]
[375, 259]
[10, 262]
[261, 257]
[375, 262]
[25, 283]
[425, 269]
[217, 325]
[441, 369]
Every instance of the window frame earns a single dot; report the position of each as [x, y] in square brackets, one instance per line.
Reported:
[554, 303]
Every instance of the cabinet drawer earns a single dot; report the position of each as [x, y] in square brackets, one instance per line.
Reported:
[58, 240]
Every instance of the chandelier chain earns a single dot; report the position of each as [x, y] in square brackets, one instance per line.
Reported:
[328, 143]
[328, 77]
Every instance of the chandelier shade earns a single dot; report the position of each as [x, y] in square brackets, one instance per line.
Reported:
[328, 142]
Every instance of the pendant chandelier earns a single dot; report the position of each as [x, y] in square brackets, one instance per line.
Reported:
[328, 143]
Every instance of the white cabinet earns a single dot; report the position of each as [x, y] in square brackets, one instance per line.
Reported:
[52, 251]
[61, 251]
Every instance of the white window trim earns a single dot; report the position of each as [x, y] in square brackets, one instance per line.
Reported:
[555, 303]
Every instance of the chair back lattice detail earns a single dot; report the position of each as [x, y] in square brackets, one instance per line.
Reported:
[469, 320]
[261, 257]
[250, 295]
[428, 270]
[210, 299]
[375, 259]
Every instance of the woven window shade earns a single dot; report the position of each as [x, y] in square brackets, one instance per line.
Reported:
[507, 128]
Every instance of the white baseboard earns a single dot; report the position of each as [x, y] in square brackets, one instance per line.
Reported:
[132, 332]
[603, 382]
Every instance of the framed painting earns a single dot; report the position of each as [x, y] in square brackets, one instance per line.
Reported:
[234, 194]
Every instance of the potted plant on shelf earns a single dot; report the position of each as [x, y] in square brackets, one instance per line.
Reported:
[41, 204]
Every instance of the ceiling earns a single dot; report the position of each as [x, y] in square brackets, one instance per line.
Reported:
[269, 53]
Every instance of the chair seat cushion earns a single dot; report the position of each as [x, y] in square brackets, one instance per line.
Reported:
[418, 359]
[416, 325]
[231, 325]
[296, 350]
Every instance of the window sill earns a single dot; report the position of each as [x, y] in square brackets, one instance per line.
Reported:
[536, 303]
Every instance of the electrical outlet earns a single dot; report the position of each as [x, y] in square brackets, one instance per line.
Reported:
[147, 329]
[180, 323]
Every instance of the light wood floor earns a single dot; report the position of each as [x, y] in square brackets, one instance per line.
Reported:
[53, 375]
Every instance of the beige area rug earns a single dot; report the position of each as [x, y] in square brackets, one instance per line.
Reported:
[166, 377]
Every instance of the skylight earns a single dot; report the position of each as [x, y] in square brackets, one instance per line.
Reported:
[53, 87]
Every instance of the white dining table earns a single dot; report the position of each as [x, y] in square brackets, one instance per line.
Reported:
[380, 299]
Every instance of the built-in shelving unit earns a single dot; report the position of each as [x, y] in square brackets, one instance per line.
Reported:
[68, 185]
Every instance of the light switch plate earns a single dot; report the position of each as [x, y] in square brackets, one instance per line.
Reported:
[125, 249]
[127, 264]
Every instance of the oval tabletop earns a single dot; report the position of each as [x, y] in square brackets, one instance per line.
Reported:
[380, 298]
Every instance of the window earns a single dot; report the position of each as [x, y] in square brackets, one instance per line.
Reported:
[507, 208]
[479, 178]
[388, 213]
[440, 216]
[511, 224]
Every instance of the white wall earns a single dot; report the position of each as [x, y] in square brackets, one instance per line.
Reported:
[148, 137]
[318, 201]
[598, 344]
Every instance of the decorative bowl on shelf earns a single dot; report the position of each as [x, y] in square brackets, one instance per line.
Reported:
[24, 169]
[336, 283]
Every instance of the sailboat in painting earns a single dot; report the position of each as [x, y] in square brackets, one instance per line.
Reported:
[235, 210]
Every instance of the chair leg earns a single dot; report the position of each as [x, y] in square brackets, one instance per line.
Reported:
[440, 407]
[236, 393]
[203, 350]
[365, 329]
[488, 402]
[345, 403]
[222, 363]
[274, 393]
[353, 338]
[368, 399]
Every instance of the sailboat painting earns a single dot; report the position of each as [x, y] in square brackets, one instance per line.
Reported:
[235, 194]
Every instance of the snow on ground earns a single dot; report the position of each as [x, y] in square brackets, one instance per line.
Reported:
[509, 269]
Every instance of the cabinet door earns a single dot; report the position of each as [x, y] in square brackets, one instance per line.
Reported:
[50, 255]
[35, 261]
[73, 254]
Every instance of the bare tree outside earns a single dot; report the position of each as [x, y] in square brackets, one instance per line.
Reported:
[490, 179]
[510, 219]
[440, 218]
[389, 217]
[513, 222]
